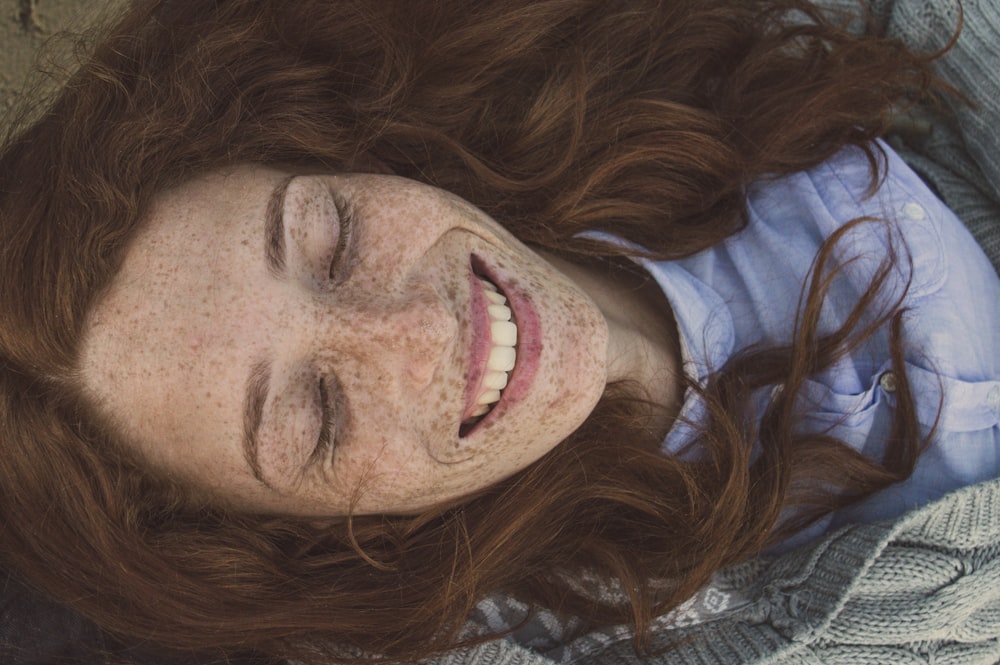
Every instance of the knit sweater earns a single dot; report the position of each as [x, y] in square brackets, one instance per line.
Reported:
[924, 588]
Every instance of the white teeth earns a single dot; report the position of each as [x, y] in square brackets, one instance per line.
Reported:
[499, 312]
[495, 380]
[489, 397]
[501, 359]
[504, 333]
[502, 356]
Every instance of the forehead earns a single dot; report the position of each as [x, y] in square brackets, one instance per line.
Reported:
[166, 343]
[214, 204]
[191, 247]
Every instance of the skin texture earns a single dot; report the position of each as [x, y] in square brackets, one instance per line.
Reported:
[381, 309]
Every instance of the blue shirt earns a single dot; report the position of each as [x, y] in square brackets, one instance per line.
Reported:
[746, 290]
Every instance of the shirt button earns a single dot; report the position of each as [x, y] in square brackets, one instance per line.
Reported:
[914, 212]
[993, 399]
[888, 382]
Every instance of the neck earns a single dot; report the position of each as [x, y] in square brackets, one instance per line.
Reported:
[644, 343]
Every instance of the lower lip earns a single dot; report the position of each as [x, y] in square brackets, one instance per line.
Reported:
[480, 345]
[529, 344]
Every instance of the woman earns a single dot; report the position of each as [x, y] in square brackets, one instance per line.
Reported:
[253, 250]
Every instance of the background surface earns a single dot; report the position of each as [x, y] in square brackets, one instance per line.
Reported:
[36, 33]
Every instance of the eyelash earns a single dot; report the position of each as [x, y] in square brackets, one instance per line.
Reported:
[336, 275]
[345, 216]
[327, 426]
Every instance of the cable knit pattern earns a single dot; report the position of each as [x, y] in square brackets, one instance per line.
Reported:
[960, 156]
[955, 152]
[922, 589]
[925, 589]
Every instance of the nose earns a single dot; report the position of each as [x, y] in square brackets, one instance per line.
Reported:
[406, 335]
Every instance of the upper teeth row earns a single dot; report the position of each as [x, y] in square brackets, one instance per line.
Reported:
[503, 355]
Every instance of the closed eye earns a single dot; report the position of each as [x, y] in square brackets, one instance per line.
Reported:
[340, 264]
[324, 443]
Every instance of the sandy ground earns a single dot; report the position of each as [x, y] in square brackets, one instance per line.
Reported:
[33, 33]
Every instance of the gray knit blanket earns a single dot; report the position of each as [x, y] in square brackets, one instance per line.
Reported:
[922, 589]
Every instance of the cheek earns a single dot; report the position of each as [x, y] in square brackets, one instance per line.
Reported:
[398, 229]
[388, 481]
[395, 475]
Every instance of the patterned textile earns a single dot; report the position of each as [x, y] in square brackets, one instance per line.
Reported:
[923, 589]
[955, 151]
[566, 641]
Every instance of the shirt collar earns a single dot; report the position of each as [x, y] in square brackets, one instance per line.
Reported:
[707, 337]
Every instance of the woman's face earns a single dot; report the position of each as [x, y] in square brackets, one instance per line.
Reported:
[293, 343]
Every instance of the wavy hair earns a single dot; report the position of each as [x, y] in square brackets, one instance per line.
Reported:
[645, 118]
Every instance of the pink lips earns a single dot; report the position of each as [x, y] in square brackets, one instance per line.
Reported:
[480, 346]
[529, 345]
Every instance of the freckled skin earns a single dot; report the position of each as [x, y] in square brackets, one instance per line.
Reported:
[195, 307]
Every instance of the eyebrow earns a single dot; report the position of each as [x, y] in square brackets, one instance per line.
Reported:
[253, 413]
[260, 373]
[274, 227]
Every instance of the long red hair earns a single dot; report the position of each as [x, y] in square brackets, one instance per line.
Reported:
[645, 118]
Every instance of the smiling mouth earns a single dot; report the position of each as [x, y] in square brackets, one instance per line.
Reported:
[500, 360]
